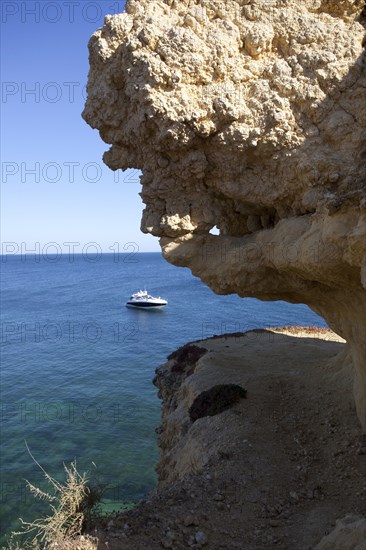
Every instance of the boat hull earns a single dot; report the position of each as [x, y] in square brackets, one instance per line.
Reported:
[145, 306]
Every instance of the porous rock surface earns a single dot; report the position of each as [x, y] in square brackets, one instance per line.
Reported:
[247, 115]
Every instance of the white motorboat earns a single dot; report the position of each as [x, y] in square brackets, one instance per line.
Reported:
[143, 300]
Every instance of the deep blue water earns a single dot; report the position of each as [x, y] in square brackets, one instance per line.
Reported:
[77, 365]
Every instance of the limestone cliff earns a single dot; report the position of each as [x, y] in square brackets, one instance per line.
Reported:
[247, 115]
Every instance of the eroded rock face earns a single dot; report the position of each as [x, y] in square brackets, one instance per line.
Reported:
[247, 115]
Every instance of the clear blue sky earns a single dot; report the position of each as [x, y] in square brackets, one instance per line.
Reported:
[54, 185]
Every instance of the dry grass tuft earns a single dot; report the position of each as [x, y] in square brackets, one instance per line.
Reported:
[71, 504]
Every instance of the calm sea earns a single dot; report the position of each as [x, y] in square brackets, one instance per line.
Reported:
[77, 365]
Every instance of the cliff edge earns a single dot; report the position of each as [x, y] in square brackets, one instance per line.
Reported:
[254, 455]
[247, 116]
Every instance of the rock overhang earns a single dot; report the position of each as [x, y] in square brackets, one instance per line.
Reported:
[248, 116]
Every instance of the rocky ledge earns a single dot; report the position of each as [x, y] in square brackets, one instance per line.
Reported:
[272, 465]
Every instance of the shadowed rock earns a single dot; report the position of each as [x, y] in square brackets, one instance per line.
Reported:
[185, 358]
[216, 400]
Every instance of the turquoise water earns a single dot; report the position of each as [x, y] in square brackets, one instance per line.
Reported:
[77, 365]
